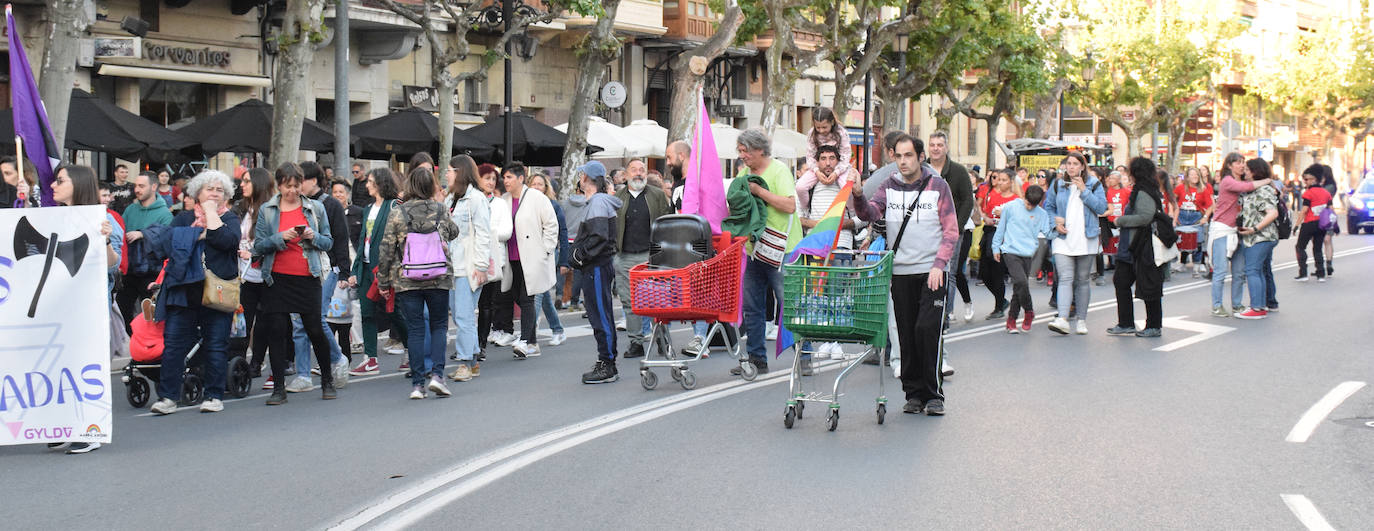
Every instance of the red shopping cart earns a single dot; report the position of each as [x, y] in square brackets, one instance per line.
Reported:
[706, 291]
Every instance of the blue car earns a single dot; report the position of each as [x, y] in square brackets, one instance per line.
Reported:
[1360, 215]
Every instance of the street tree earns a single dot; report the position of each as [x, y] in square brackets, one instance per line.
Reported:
[597, 48]
[66, 23]
[447, 26]
[1153, 57]
[1008, 60]
[302, 29]
[1325, 75]
[689, 68]
[864, 36]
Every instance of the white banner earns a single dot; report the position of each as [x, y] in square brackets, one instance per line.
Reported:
[54, 326]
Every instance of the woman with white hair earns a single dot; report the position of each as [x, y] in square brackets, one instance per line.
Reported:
[204, 240]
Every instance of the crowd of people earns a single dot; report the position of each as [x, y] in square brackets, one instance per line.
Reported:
[469, 244]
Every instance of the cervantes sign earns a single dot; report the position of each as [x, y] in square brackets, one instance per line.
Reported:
[205, 57]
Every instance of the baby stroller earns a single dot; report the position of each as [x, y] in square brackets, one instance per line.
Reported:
[145, 347]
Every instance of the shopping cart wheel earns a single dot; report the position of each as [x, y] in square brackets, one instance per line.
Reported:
[882, 412]
[834, 419]
[801, 406]
[676, 374]
[688, 380]
[191, 389]
[648, 379]
[239, 378]
[748, 371]
[137, 392]
[789, 417]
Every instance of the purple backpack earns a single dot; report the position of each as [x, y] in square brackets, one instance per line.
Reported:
[424, 256]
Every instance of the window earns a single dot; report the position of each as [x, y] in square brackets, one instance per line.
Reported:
[972, 137]
[148, 11]
[169, 103]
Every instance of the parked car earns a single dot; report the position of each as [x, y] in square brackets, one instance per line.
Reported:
[1360, 214]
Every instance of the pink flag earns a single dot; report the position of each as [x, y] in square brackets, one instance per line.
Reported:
[704, 191]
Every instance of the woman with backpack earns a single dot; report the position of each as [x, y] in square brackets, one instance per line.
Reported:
[1136, 265]
[1328, 182]
[415, 266]
[1075, 199]
[1222, 239]
[471, 252]
[1316, 200]
[291, 234]
[1258, 235]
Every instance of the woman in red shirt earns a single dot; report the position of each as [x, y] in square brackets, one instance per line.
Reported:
[992, 271]
[1192, 210]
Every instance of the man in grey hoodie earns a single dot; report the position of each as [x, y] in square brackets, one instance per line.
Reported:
[575, 211]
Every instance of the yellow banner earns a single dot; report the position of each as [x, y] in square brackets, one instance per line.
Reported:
[1040, 162]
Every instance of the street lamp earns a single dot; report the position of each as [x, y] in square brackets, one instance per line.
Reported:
[1088, 73]
[504, 17]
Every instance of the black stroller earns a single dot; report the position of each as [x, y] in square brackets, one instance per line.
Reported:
[146, 367]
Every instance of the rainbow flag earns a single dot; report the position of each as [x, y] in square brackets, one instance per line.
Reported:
[826, 234]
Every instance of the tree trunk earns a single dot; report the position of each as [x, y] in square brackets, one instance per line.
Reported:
[301, 29]
[1176, 130]
[445, 84]
[778, 91]
[1044, 105]
[599, 48]
[992, 143]
[687, 82]
[57, 74]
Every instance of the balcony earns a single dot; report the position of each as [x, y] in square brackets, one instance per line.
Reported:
[689, 20]
[639, 18]
[806, 41]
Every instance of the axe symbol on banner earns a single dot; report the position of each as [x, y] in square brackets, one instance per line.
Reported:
[29, 242]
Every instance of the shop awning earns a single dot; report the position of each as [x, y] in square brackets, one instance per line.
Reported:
[184, 75]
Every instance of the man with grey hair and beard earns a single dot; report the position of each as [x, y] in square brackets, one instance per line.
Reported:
[640, 206]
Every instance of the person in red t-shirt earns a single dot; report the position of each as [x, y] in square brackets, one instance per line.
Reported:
[1314, 200]
[992, 271]
[1192, 209]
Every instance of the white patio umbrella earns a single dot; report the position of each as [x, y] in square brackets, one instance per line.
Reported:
[616, 144]
[789, 144]
[649, 131]
[727, 141]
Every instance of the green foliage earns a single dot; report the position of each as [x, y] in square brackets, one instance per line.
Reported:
[586, 8]
[1006, 51]
[1326, 74]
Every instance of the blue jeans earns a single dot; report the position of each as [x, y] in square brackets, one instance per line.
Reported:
[1221, 269]
[544, 302]
[1255, 257]
[186, 326]
[424, 346]
[302, 343]
[759, 280]
[1271, 291]
[463, 301]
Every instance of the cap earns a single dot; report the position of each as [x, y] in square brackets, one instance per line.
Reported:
[593, 169]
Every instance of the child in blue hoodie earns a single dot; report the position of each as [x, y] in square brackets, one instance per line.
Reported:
[1024, 225]
[592, 253]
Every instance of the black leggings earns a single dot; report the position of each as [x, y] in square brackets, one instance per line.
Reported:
[484, 311]
[1310, 233]
[1124, 279]
[344, 333]
[961, 266]
[994, 273]
[249, 295]
[503, 312]
[282, 349]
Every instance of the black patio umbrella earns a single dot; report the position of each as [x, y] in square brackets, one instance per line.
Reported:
[533, 142]
[409, 131]
[96, 125]
[247, 128]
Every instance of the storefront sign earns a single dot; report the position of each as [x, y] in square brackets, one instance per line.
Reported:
[420, 97]
[730, 111]
[206, 57]
[1039, 162]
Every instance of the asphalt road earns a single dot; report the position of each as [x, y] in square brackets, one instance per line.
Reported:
[1043, 432]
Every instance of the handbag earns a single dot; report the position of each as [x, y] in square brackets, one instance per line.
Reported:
[220, 294]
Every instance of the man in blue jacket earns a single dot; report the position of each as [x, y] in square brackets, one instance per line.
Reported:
[592, 255]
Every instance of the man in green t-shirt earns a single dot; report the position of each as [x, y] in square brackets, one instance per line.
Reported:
[760, 276]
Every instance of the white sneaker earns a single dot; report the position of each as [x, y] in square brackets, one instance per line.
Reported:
[211, 405]
[558, 339]
[946, 369]
[821, 352]
[530, 350]
[896, 367]
[695, 347]
[772, 334]
[620, 325]
[340, 370]
[1081, 327]
[164, 406]
[394, 347]
[502, 338]
[417, 393]
[1060, 325]
[436, 385]
[82, 448]
[835, 351]
[300, 385]
[968, 312]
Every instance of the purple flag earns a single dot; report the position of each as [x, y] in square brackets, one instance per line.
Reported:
[30, 117]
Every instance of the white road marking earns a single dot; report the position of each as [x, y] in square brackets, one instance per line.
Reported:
[1318, 412]
[533, 449]
[1204, 331]
[1306, 512]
